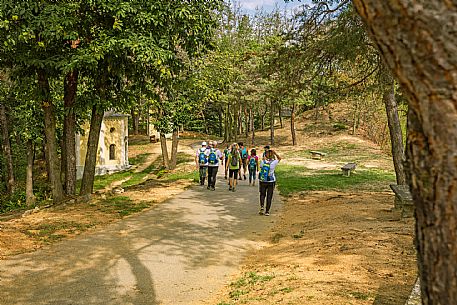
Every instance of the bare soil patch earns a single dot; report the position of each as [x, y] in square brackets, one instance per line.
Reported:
[331, 248]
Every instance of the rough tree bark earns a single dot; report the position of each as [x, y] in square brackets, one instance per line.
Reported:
[163, 146]
[220, 113]
[272, 122]
[135, 120]
[174, 148]
[226, 125]
[87, 183]
[418, 42]
[69, 131]
[292, 125]
[396, 136]
[6, 145]
[251, 120]
[29, 196]
[50, 131]
[280, 116]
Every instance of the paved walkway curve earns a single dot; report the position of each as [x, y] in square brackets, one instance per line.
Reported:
[178, 252]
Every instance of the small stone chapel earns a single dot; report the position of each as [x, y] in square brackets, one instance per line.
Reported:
[112, 154]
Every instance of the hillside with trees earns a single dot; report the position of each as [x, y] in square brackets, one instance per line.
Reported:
[206, 69]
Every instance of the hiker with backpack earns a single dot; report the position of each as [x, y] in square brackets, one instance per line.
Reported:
[201, 160]
[233, 164]
[253, 166]
[214, 156]
[244, 159]
[267, 179]
[226, 154]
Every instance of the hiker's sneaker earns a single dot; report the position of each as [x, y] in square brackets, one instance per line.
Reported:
[213, 188]
[244, 177]
[253, 183]
[230, 188]
[267, 213]
[261, 211]
[225, 177]
[207, 187]
[233, 189]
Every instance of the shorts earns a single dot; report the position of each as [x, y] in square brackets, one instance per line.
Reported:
[233, 173]
[245, 163]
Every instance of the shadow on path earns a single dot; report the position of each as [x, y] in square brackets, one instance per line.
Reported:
[176, 253]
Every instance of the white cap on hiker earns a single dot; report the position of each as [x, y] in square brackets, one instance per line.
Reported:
[203, 143]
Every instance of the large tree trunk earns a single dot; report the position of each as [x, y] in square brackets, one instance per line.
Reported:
[272, 122]
[163, 146]
[11, 182]
[29, 196]
[292, 126]
[280, 116]
[174, 149]
[69, 131]
[226, 125]
[246, 123]
[396, 136]
[51, 143]
[417, 39]
[221, 130]
[135, 120]
[87, 183]
[251, 121]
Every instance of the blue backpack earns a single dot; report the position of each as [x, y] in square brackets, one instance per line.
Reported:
[244, 153]
[252, 163]
[212, 158]
[202, 158]
[264, 174]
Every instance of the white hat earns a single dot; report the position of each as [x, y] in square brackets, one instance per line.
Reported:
[203, 143]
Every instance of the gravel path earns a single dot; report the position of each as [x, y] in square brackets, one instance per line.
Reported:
[179, 252]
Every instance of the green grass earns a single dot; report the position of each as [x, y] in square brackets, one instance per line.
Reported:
[339, 151]
[170, 177]
[294, 178]
[139, 159]
[122, 205]
[101, 182]
[47, 232]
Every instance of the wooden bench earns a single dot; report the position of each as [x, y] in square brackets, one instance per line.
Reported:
[317, 154]
[403, 200]
[348, 168]
[153, 139]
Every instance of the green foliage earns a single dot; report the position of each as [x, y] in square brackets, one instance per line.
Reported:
[15, 201]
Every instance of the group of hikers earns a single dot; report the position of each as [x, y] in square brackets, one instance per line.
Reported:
[237, 163]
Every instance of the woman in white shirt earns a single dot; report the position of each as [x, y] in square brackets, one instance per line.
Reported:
[267, 179]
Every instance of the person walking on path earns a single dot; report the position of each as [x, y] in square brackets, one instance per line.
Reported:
[201, 160]
[253, 166]
[267, 179]
[214, 156]
[226, 154]
[233, 164]
[244, 159]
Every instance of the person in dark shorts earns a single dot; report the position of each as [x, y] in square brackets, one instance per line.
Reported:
[233, 164]
[201, 160]
[267, 180]
[244, 159]
[253, 166]
[214, 157]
